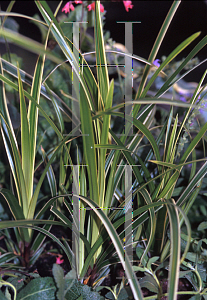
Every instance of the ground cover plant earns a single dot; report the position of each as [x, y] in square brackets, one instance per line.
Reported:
[106, 185]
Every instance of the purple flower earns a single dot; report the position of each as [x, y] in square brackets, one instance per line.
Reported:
[183, 99]
[156, 62]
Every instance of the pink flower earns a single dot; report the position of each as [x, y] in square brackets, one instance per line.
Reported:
[59, 261]
[101, 8]
[128, 4]
[92, 7]
[78, 2]
[68, 6]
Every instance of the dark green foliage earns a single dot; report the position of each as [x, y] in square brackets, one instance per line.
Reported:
[38, 289]
[69, 288]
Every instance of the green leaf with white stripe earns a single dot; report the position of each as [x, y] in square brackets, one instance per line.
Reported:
[118, 246]
[25, 144]
[174, 252]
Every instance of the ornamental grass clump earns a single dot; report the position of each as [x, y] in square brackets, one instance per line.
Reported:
[120, 191]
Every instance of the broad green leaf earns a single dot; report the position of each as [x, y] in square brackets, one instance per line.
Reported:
[78, 290]
[37, 289]
[71, 274]
[149, 283]
[202, 226]
[122, 294]
[151, 261]
[58, 275]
